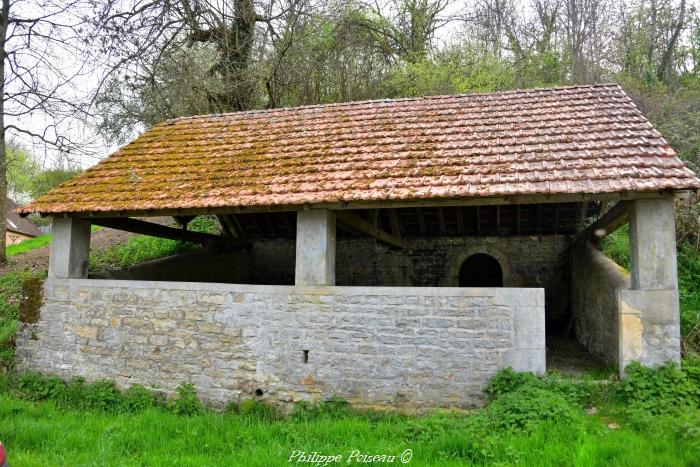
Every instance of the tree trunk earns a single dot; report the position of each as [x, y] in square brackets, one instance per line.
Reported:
[4, 18]
[662, 72]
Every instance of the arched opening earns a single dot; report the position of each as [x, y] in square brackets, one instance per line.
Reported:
[480, 270]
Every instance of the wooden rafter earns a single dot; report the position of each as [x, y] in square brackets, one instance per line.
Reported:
[613, 219]
[583, 212]
[441, 221]
[358, 224]
[460, 220]
[157, 230]
[394, 222]
[421, 222]
[227, 226]
[268, 224]
[237, 225]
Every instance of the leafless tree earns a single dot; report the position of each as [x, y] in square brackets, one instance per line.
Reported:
[137, 37]
[37, 39]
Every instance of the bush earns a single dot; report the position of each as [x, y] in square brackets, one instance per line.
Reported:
[37, 387]
[509, 380]
[138, 398]
[186, 401]
[526, 407]
[658, 390]
[254, 408]
[333, 407]
[578, 392]
[102, 395]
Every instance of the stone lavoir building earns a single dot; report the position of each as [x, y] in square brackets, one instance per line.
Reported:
[394, 253]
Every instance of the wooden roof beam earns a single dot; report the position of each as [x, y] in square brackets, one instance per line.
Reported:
[421, 222]
[162, 231]
[358, 224]
[394, 222]
[460, 220]
[388, 204]
[613, 219]
[227, 226]
[441, 221]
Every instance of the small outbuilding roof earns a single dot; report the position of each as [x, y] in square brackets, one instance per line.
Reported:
[569, 140]
[18, 224]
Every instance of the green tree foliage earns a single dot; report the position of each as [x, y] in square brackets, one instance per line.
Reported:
[27, 179]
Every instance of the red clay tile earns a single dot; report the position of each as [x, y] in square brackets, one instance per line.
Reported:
[581, 139]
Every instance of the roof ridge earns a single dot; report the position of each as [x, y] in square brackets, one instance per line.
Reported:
[398, 99]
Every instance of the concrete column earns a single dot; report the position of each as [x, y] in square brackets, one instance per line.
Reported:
[70, 247]
[649, 314]
[315, 252]
[653, 245]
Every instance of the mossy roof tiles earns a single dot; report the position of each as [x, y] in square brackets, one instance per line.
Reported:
[570, 140]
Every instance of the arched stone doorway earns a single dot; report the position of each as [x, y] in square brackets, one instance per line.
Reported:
[481, 270]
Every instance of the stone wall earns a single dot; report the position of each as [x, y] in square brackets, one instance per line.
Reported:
[527, 261]
[650, 323]
[595, 283]
[410, 348]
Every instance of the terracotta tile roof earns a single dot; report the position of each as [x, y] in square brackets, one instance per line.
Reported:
[582, 139]
[18, 224]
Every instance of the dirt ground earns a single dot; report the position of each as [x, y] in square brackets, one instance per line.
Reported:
[38, 260]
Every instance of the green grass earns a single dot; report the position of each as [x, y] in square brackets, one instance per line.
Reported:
[532, 421]
[34, 243]
[144, 248]
[28, 245]
[136, 250]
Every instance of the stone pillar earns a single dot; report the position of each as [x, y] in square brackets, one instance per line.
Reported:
[649, 314]
[653, 244]
[315, 252]
[70, 247]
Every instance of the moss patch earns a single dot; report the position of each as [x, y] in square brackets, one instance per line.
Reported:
[32, 299]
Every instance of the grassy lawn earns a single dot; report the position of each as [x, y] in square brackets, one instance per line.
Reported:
[532, 421]
[27, 245]
[34, 243]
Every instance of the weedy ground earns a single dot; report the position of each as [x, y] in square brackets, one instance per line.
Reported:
[652, 418]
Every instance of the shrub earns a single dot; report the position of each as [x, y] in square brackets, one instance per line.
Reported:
[334, 407]
[574, 390]
[691, 367]
[527, 406]
[104, 396]
[658, 390]
[100, 395]
[138, 398]
[37, 387]
[205, 224]
[509, 380]
[186, 401]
